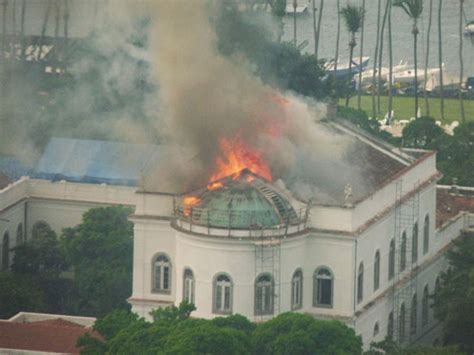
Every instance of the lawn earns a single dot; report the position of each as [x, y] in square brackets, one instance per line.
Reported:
[403, 107]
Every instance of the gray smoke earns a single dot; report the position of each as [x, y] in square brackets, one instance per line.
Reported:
[205, 97]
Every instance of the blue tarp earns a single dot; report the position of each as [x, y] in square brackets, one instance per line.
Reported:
[95, 161]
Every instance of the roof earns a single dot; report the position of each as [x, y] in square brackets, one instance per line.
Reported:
[56, 335]
[94, 161]
[449, 204]
[239, 201]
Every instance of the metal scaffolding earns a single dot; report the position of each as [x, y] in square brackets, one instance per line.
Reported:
[406, 227]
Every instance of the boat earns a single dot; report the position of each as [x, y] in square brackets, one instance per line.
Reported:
[300, 10]
[407, 77]
[367, 75]
[343, 68]
[469, 29]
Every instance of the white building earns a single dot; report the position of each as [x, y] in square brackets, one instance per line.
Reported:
[366, 256]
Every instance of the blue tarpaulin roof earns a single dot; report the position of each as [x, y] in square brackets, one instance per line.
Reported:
[95, 161]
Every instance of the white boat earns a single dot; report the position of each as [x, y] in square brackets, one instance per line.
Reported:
[408, 76]
[300, 10]
[385, 71]
[343, 68]
[469, 29]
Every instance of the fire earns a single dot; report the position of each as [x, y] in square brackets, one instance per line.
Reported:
[215, 185]
[237, 156]
[189, 202]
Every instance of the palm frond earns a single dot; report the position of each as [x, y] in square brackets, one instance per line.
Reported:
[413, 8]
[352, 17]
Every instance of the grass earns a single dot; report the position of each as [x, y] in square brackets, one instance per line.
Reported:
[404, 107]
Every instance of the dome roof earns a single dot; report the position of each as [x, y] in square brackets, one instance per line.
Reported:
[243, 201]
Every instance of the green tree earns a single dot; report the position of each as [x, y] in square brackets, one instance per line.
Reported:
[420, 133]
[295, 333]
[390, 347]
[19, 293]
[353, 17]
[454, 300]
[414, 9]
[100, 250]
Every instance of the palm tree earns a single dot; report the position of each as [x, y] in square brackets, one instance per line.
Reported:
[338, 36]
[414, 9]
[382, 32]
[295, 5]
[440, 58]
[361, 54]
[374, 72]
[22, 29]
[353, 16]
[390, 64]
[427, 58]
[461, 61]
[317, 31]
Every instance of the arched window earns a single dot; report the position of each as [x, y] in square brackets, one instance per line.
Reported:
[377, 270]
[391, 260]
[401, 322]
[188, 285]
[425, 306]
[40, 229]
[6, 251]
[161, 274]
[19, 235]
[264, 293]
[360, 283]
[403, 252]
[376, 329]
[414, 244]
[297, 290]
[223, 290]
[390, 326]
[426, 235]
[413, 314]
[323, 287]
[437, 285]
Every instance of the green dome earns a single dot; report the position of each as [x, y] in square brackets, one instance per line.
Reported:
[247, 202]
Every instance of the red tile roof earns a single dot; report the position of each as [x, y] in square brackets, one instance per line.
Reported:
[449, 205]
[56, 335]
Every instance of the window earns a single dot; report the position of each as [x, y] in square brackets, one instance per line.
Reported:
[391, 260]
[19, 235]
[401, 324]
[6, 251]
[376, 329]
[322, 288]
[425, 306]
[40, 229]
[413, 314]
[297, 290]
[426, 235]
[437, 285]
[264, 293]
[223, 289]
[377, 270]
[414, 244]
[162, 274]
[188, 286]
[360, 283]
[390, 326]
[403, 252]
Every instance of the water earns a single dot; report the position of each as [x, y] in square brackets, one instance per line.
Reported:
[402, 39]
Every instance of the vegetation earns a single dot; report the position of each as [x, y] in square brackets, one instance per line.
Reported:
[389, 347]
[174, 332]
[454, 300]
[403, 108]
[99, 251]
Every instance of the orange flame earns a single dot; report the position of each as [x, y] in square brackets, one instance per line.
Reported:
[215, 185]
[237, 156]
[189, 202]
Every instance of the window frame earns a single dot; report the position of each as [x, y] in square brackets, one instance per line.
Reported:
[316, 287]
[390, 326]
[425, 306]
[426, 234]
[391, 259]
[377, 270]
[163, 290]
[6, 251]
[215, 287]
[414, 243]
[403, 252]
[414, 314]
[188, 274]
[263, 294]
[20, 234]
[360, 282]
[297, 287]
